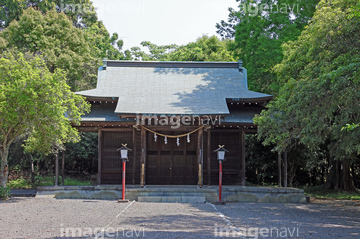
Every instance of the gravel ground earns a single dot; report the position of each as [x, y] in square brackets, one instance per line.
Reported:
[74, 218]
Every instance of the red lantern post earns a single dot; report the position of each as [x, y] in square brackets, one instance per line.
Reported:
[221, 157]
[123, 180]
[220, 180]
[124, 156]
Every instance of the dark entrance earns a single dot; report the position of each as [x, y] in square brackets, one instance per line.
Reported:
[232, 165]
[170, 164]
[111, 164]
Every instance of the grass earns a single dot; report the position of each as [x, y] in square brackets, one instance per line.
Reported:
[322, 193]
[23, 183]
[20, 183]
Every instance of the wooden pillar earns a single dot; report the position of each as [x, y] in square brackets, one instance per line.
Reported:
[99, 155]
[200, 157]
[243, 165]
[63, 168]
[285, 168]
[134, 156]
[143, 157]
[57, 169]
[209, 156]
[279, 169]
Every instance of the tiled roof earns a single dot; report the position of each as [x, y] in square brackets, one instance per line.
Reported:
[172, 87]
[103, 114]
[106, 114]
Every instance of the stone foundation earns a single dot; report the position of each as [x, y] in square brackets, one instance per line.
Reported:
[209, 193]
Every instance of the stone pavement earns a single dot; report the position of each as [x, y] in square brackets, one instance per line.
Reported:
[76, 218]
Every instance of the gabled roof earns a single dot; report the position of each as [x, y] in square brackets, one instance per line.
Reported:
[172, 87]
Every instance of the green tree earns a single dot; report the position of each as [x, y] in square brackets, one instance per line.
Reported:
[102, 44]
[320, 74]
[156, 52]
[34, 101]
[82, 15]
[226, 29]
[81, 12]
[260, 29]
[63, 46]
[203, 49]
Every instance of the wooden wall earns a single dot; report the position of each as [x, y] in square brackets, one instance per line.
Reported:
[169, 164]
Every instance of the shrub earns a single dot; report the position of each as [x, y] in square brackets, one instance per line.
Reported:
[4, 193]
[19, 183]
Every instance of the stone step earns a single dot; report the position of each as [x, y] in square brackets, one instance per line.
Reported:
[171, 194]
[170, 199]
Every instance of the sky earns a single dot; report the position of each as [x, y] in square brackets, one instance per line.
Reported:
[162, 22]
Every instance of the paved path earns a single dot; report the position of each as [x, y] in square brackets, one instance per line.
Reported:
[74, 218]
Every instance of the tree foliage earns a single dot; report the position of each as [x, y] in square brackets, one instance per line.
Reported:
[81, 12]
[204, 48]
[102, 44]
[63, 46]
[34, 101]
[260, 29]
[226, 29]
[156, 52]
[320, 74]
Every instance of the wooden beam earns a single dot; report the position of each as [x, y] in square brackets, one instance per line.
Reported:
[285, 168]
[117, 129]
[279, 169]
[134, 156]
[57, 169]
[209, 156]
[109, 99]
[99, 155]
[200, 157]
[243, 163]
[87, 129]
[143, 157]
[230, 130]
[159, 128]
[91, 126]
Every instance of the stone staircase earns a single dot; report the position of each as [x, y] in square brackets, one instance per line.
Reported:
[170, 194]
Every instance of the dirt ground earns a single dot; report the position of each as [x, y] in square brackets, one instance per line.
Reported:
[76, 218]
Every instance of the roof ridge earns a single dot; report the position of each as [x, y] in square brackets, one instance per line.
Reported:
[170, 64]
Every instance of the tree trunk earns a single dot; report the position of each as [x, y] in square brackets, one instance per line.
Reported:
[346, 179]
[32, 169]
[331, 179]
[353, 174]
[337, 180]
[57, 169]
[4, 173]
[285, 169]
[63, 168]
[279, 169]
[337, 175]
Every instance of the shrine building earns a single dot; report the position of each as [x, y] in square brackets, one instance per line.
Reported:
[173, 115]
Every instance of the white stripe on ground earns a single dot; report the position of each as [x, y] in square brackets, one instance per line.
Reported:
[100, 234]
[228, 222]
